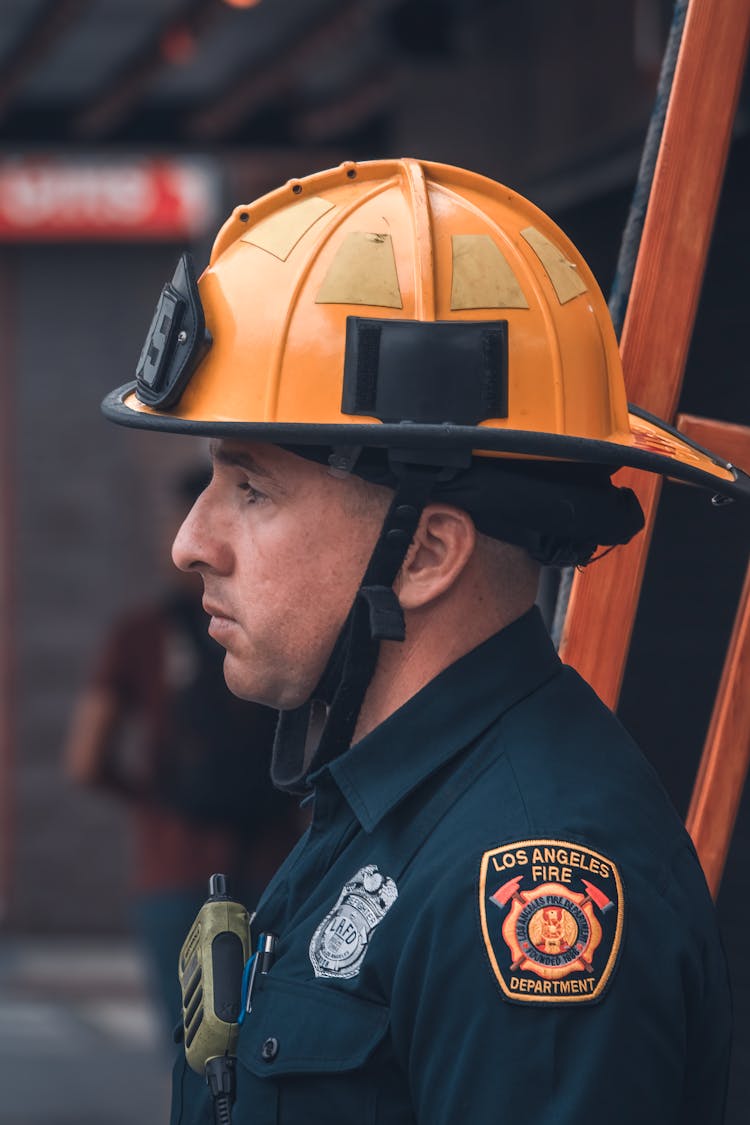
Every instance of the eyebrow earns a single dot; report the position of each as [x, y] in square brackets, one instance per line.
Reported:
[240, 458]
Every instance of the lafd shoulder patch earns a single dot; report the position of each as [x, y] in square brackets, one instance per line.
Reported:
[552, 918]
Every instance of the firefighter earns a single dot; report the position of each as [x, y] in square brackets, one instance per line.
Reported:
[415, 401]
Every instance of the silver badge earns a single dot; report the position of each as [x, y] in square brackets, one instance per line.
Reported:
[339, 944]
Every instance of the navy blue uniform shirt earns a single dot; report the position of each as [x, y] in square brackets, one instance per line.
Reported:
[495, 916]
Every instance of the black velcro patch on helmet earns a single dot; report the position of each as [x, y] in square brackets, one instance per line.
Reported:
[428, 372]
[177, 340]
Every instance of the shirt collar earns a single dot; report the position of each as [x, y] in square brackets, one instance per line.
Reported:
[443, 718]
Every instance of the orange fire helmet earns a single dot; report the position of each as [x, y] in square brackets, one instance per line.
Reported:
[405, 305]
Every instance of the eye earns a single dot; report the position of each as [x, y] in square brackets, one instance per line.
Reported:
[252, 495]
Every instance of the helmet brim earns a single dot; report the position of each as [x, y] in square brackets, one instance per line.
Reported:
[651, 445]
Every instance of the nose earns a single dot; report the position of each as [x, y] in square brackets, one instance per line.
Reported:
[197, 546]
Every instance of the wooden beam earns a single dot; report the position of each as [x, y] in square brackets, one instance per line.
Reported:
[659, 321]
[250, 90]
[350, 108]
[127, 86]
[42, 34]
[727, 439]
[726, 753]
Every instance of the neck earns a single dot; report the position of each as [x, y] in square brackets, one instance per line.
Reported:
[433, 642]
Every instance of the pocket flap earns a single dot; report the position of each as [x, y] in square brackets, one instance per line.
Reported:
[296, 1028]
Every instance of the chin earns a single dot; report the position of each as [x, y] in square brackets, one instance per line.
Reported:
[280, 696]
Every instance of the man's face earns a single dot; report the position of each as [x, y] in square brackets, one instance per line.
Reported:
[281, 546]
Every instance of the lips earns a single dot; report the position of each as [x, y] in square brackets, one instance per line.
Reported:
[221, 626]
[216, 611]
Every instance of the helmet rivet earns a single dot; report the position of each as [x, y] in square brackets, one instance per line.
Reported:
[397, 535]
[297, 188]
[351, 173]
[243, 216]
[181, 337]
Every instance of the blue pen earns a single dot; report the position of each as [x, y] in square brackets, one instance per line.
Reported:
[259, 963]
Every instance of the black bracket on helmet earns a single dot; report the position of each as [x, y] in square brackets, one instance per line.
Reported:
[177, 340]
[411, 371]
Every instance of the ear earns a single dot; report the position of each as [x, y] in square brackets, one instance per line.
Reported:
[442, 546]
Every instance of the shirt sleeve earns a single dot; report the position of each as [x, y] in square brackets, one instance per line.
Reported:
[472, 1054]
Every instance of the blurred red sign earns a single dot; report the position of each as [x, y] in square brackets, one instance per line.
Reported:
[81, 200]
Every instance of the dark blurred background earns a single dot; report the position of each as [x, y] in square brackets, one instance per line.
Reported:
[128, 130]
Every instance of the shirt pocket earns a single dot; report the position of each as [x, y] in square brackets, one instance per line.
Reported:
[310, 1054]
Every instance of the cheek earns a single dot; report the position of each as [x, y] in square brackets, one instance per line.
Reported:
[299, 582]
[310, 611]
[314, 602]
[318, 572]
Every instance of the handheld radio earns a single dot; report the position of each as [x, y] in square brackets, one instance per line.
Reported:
[210, 971]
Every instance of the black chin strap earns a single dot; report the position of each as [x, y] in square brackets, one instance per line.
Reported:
[374, 616]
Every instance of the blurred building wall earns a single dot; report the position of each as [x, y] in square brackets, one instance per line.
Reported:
[88, 498]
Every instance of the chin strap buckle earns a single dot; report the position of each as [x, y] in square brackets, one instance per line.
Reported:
[386, 614]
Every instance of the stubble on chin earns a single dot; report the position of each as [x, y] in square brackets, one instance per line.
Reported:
[279, 692]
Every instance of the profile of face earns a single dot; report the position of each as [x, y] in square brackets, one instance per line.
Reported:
[281, 546]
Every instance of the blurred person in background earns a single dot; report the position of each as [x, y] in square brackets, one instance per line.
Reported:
[157, 727]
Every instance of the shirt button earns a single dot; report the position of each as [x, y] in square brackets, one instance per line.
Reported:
[270, 1049]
